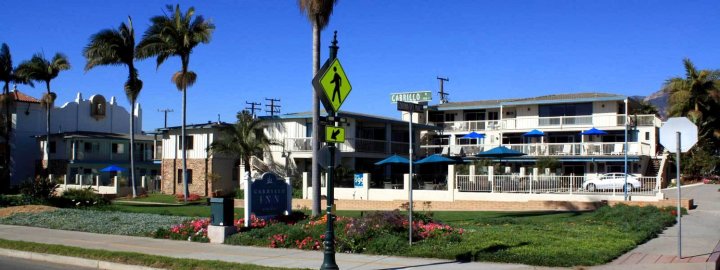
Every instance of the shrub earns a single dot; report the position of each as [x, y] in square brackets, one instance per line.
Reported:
[190, 230]
[17, 200]
[79, 198]
[191, 198]
[41, 188]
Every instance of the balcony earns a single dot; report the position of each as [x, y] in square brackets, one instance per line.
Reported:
[526, 123]
[554, 149]
[350, 145]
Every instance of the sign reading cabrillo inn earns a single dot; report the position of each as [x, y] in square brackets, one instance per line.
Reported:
[419, 96]
[269, 196]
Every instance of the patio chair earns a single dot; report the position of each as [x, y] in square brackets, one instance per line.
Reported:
[617, 149]
[565, 150]
[633, 149]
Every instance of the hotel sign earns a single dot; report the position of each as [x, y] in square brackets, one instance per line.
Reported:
[419, 96]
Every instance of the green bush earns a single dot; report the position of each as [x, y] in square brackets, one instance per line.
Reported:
[40, 188]
[17, 200]
[85, 197]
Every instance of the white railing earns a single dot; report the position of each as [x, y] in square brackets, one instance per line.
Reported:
[350, 145]
[551, 184]
[526, 123]
[554, 149]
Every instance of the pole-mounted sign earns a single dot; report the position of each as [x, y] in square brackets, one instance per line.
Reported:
[333, 86]
[419, 96]
[678, 135]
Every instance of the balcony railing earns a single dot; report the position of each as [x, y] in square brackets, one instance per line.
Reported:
[554, 149]
[350, 145]
[525, 123]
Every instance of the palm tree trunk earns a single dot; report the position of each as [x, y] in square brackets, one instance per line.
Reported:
[132, 148]
[8, 132]
[48, 107]
[186, 187]
[315, 123]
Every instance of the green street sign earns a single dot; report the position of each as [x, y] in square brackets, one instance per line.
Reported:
[419, 96]
[333, 85]
[334, 134]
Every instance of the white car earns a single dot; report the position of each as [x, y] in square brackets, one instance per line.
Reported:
[612, 181]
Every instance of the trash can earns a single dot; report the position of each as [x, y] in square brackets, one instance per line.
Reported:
[221, 211]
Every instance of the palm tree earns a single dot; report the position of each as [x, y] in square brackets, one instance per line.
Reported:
[318, 13]
[176, 34]
[117, 47]
[242, 140]
[7, 75]
[40, 69]
[697, 96]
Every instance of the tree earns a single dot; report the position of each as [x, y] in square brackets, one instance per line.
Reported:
[177, 34]
[318, 13]
[111, 47]
[242, 140]
[643, 107]
[7, 75]
[40, 69]
[697, 97]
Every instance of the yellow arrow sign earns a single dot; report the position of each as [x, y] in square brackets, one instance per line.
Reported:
[334, 134]
[335, 85]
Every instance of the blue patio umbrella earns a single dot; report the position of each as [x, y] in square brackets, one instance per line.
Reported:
[394, 159]
[473, 135]
[593, 131]
[534, 133]
[500, 152]
[113, 168]
[436, 158]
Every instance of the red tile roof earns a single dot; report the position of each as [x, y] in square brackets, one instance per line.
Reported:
[19, 96]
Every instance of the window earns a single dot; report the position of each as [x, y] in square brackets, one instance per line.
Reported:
[188, 143]
[436, 117]
[87, 147]
[474, 115]
[647, 136]
[570, 109]
[180, 178]
[308, 130]
[450, 117]
[492, 115]
[51, 147]
[90, 147]
[118, 148]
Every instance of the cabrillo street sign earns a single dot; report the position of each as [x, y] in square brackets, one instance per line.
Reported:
[419, 96]
[409, 107]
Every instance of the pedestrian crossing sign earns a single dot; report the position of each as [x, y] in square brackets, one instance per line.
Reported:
[333, 85]
[334, 134]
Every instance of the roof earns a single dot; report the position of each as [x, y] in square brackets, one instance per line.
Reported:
[353, 115]
[196, 126]
[547, 99]
[22, 97]
[98, 135]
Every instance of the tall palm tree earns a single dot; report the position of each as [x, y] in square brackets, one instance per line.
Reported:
[177, 34]
[242, 140]
[40, 69]
[117, 47]
[697, 96]
[318, 13]
[7, 75]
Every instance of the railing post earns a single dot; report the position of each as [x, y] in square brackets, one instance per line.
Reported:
[304, 185]
[97, 182]
[572, 184]
[491, 178]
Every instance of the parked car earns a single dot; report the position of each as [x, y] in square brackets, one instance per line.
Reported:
[612, 181]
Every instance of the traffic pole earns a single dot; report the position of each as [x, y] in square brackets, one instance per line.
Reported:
[679, 202]
[329, 252]
[410, 193]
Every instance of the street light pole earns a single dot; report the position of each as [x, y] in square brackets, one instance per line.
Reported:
[410, 181]
[627, 120]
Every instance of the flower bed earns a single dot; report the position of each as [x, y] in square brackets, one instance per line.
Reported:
[106, 222]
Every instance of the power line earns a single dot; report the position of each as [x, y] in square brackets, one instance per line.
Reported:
[252, 108]
[443, 95]
[272, 108]
[166, 111]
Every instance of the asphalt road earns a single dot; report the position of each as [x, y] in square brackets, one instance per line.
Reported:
[22, 264]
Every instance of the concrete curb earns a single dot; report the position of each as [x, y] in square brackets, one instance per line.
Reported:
[74, 261]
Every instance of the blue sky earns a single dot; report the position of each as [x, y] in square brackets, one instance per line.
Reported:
[489, 50]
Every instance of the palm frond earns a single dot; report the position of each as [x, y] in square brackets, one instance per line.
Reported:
[318, 11]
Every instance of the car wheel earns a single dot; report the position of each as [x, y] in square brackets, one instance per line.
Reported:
[628, 187]
[591, 187]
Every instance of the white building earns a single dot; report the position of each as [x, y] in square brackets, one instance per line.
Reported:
[81, 115]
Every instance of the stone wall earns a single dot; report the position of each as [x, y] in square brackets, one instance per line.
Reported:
[200, 173]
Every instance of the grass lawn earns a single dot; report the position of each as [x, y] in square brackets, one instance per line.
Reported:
[156, 198]
[129, 257]
[193, 210]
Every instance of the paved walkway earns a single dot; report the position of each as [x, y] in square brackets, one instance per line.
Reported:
[700, 236]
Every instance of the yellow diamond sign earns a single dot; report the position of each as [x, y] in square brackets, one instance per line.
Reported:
[333, 85]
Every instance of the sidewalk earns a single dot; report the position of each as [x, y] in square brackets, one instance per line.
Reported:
[700, 237]
[241, 254]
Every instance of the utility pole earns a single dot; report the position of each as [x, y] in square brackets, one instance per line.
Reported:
[443, 95]
[166, 111]
[252, 108]
[272, 108]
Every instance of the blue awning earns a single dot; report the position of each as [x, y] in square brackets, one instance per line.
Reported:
[394, 159]
[534, 133]
[593, 131]
[473, 135]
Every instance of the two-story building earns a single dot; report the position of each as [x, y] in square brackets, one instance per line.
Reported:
[550, 126]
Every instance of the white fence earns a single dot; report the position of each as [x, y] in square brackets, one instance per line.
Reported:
[580, 185]
[114, 187]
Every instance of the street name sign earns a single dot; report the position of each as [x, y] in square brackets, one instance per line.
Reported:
[409, 107]
[419, 96]
[334, 134]
[688, 132]
[333, 84]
